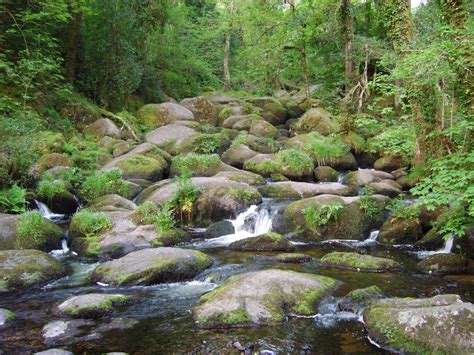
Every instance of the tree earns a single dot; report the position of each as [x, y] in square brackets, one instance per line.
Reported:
[348, 35]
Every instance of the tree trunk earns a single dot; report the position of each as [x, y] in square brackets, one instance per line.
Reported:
[71, 51]
[348, 35]
[227, 79]
[304, 66]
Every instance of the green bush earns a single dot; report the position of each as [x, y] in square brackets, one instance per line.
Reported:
[12, 200]
[396, 140]
[182, 201]
[49, 187]
[367, 203]
[295, 160]
[325, 149]
[104, 183]
[146, 213]
[165, 221]
[320, 215]
[399, 209]
[206, 144]
[88, 223]
[33, 230]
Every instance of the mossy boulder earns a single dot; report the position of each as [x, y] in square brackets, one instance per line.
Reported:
[261, 298]
[204, 111]
[8, 231]
[245, 177]
[293, 258]
[237, 155]
[261, 101]
[325, 174]
[6, 318]
[169, 137]
[33, 231]
[359, 262]
[400, 231]
[444, 264]
[315, 120]
[142, 167]
[278, 113]
[431, 240]
[49, 161]
[218, 229]
[389, 163]
[24, 269]
[48, 142]
[170, 238]
[365, 293]
[205, 144]
[110, 202]
[363, 177]
[386, 187]
[421, 326]
[294, 164]
[344, 162]
[101, 128]
[265, 242]
[152, 266]
[157, 115]
[356, 300]
[92, 305]
[199, 165]
[297, 190]
[263, 129]
[348, 218]
[260, 144]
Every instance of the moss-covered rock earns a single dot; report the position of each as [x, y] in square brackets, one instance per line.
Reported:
[297, 190]
[389, 163]
[357, 300]
[365, 293]
[48, 142]
[157, 115]
[278, 113]
[386, 187]
[203, 110]
[293, 258]
[400, 231]
[24, 269]
[431, 240]
[170, 238]
[347, 217]
[33, 231]
[325, 174]
[363, 177]
[169, 137]
[152, 266]
[106, 202]
[263, 129]
[237, 155]
[261, 297]
[265, 242]
[6, 318]
[103, 127]
[315, 120]
[218, 229]
[49, 161]
[92, 305]
[142, 167]
[216, 143]
[359, 262]
[444, 264]
[421, 326]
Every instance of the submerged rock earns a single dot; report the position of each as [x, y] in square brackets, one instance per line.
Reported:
[6, 318]
[62, 332]
[325, 174]
[439, 325]
[54, 352]
[359, 262]
[152, 266]
[356, 300]
[24, 269]
[444, 264]
[92, 305]
[265, 242]
[293, 258]
[218, 229]
[261, 297]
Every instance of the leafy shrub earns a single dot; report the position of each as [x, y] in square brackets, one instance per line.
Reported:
[146, 213]
[295, 160]
[49, 187]
[104, 183]
[367, 203]
[206, 144]
[12, 200]
[33, 229]
[396, 140]
[165, 221]
[320, 215]
[399, 209]
[90, 223]
[85, 154]
[325, 149]
[182, 202]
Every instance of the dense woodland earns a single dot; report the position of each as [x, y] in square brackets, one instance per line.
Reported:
[387, 83]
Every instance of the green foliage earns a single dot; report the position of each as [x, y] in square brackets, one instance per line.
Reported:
[48, 187]
[452, 223]
[206, 144]
[32, 229]
[325, 149]
[12, 200]
[104, 183]
[396, 140]
[146, 213]
[165, 221]
[295, 160]
[399, 209]
[90, 223]
[85, 153]
[190, 161]
[319, 216]
[182, 201]
[367, 202]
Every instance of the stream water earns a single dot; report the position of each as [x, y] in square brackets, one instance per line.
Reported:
[159, 319]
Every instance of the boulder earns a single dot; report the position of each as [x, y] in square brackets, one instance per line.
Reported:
[54, 352]
[171, 238]
[48, 142]
[101, 128]
[169, 136]
[157, 115]
[199, 165]
[8, 231]
[142, 167]
[356, 300]
[389, 163]
[315, 120]
[242, 176]
[386, 187]
[443, 264]
[291, 189]
[363, 177]
[400, 231]
[347, 217]
[263, 129]
[49, 161]
[260, 144]
[431, 240]
[261, 101]
[274, 113]
[104, 203]
[346, 162]
[6, 318]
[152, 266]
[265, 242]
[237, 154]
[422, 326]
[260, 298]
[24, 269]
[293, 258]
[359, 262]
[325, 174]
[218, 229]
[204, 111]
[66, 332]
[62, 202]
[91, 305]
[216, 143]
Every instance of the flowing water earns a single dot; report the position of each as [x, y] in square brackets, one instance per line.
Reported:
[159, 320]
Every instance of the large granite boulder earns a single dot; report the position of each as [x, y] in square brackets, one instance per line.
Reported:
[291, 189]
[204, 111]
[315, 120]
[265, 242]
[156, 115]
[170, 136]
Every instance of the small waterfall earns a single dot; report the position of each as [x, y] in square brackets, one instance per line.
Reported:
[341, 177]
[254, 221]
[64, 247]
[373, 236]
[47, 213]
[446, 249]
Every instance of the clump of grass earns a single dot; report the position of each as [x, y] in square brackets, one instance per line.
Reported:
[33, 230]
[325, 149]
[146, 213]
[295, 160]
[88, 223]
[104, 183]
[182, 202]
[191, 161]
[321, 215]
[206, 144]
[368, 204]
[48, 187]
[165, 220]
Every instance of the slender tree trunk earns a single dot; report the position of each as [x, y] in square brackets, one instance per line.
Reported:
[227, 78]
[304, 65]
[71, 52]
[348, 35]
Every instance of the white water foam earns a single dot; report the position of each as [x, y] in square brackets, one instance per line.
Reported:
[446, 249]
[47, 213]
[372, 239]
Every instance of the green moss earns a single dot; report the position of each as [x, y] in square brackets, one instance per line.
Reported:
[194, 162]
[265, 168]
[10, 314]
[48, 142]
[170, 238]
[293, 258]
[364, 293]
[50, 187]
[104, 183]
[140, 166]
[295, 162]
[358, 261]
[35, 232]
[103, 307]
